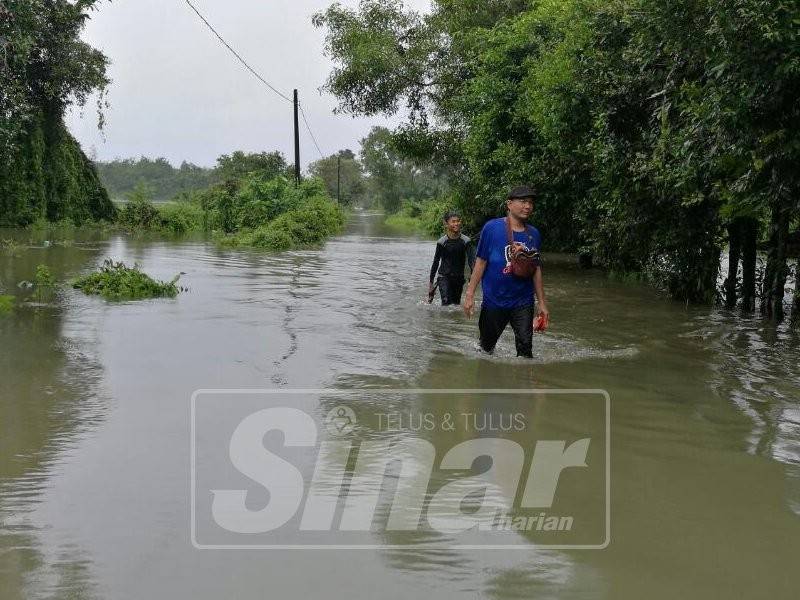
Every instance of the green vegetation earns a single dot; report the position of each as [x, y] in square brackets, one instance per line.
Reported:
[115, 281]
[162, 182]
[45, 68]
[180, 217]
[423, 217]
[656, 133]
[44, 284]
[404, 221]
[139, 213]
[10, 247]
[6, 304]
[122, 177]
[393, 178]
[240, 164]
[260, 208]
[342, 174]
[275, 215]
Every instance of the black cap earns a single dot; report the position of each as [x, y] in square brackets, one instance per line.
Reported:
[521, 191]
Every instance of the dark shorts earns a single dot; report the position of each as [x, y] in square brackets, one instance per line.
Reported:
[493, 321]
[450, 289]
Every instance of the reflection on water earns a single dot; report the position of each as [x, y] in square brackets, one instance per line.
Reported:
[50, 400]
[94, 469]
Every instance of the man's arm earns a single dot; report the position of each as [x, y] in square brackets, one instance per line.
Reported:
[474, 280]
[538, 285]
[471, 250]
[436, 258]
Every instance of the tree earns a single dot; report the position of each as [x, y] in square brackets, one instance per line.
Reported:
[392, 177]
[342, 173]
[121, 176]
[238, 164]
[652, 130]
[46, 67]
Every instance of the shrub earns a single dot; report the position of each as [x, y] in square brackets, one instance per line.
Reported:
[139, 212]
[115, 281]
[270, 237]
[308, 224]
[180, 217]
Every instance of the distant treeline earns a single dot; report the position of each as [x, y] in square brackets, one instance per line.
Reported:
[163, 181]
[160, 181]
[379, 175]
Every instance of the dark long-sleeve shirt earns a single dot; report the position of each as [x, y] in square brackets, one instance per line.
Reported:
[451, 256]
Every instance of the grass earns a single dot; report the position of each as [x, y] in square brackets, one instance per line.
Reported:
[6, 305]
[424, 217]
[115, 281]
[404, 222]
[10, 247]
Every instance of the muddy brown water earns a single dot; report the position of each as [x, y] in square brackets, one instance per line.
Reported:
[94, 465]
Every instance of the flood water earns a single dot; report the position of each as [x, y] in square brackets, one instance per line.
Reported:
[94, 450]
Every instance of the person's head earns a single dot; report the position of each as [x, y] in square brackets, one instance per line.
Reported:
[520, 201]
[452, 222]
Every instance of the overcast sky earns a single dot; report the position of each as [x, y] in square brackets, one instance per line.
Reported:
[178, 93]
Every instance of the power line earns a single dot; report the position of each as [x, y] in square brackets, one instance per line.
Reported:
[236, 54]
[311, 133]
[257, 75]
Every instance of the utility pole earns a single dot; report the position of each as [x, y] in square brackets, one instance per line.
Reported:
[296, 144]
[338, 178]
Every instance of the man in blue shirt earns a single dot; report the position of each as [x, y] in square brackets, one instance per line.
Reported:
[506, 297]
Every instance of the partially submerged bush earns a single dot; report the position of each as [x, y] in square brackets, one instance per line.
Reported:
[45, 284]
[180, 217]
[254, 201]
[255, 211]
[115, 281]
[308, 224]
[139, 212]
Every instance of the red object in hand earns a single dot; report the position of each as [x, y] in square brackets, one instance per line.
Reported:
[540, 323]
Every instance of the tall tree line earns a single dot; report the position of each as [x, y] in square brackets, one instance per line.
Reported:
[44, 68]
[657, 133]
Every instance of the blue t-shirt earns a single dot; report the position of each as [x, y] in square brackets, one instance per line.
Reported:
[503, 289]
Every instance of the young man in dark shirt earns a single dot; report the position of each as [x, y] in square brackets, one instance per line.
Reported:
[453, 251]
[506, 297]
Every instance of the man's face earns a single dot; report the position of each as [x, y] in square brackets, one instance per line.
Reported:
[453, 224]
[521, 208]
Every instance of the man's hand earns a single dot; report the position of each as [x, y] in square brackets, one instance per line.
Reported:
[469, 304]
[541, 309]
[542, 319]
[477, 274]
